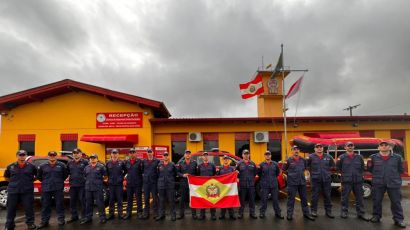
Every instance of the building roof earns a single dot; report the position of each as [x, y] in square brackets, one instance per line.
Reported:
[280, 119]
[65, 86]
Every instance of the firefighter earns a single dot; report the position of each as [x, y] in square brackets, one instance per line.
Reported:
[247, 172]
[225, 169]
[320, 165]
[268, 172]
[185, 168]
[94, 173]
[206, 169]
[351, 167]
[167, 171]
[116, 172]
[150, 180]
[386, 168]
[134, 183]
[52, 176]
[75, 170]
[295, 167]
[20, 176]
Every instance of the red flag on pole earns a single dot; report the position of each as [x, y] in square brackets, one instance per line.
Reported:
[294, 88]
[252, 88]
[214, 191]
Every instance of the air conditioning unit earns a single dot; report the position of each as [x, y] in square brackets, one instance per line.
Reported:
[261, 137]
[194, 137]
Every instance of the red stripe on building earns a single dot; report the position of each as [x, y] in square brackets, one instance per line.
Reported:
[275, 136]
[367, 133]
[398, 134]
[242, 136]
[27, 137]
[69, 137]
[210, 136]
[179, 136]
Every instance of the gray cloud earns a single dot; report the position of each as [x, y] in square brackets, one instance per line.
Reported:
[193, 54]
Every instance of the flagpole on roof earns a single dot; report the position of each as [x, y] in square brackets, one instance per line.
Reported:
[284, 102]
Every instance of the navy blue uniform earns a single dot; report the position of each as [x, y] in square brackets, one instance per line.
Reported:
[150, 179]
[352, 168]
[320, 175]
[94, 186]
[52, 179]
[134, 184]
[268, 173]
[116, 172]
[386, 177]
[247, 173]
[222, 171]
[77, 186]
[20, 189]
[191, 169]
[207, 169]
[296, 182]
[166, 186]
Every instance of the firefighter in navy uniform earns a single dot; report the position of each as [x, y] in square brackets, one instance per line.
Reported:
[206, 169]
[320, 165]
[225, 169]
[295, 167]
[75, 170]
[94, 173]
[268, 172]
[247, 172]
[52, 176]
[134, 183]
[351, 167]
[386, 168]
[185, 168]
[167, 172]
[150, 179]
[20, 176]
[115, 172]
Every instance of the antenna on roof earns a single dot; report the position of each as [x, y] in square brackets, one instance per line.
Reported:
[350, 108]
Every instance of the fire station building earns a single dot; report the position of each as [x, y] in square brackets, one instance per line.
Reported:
[68, 114]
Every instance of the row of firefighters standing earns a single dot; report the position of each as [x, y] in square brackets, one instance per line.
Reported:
[157, 179]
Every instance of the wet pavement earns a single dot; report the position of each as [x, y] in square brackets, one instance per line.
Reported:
[322, 222]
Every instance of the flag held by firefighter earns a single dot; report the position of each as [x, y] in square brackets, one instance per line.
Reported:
[214, 191]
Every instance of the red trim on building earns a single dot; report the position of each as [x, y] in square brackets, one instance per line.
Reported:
[367, 133]
[27, 137]
[275, 136]
[179, 136]
[210, 136]
[66, 86]
[242, 136]
[69, 137]
[398, 134]
[110, 138]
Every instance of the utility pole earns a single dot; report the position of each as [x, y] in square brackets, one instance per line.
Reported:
[350, 108]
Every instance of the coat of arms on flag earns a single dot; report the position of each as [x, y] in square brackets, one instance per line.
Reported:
[214, 191]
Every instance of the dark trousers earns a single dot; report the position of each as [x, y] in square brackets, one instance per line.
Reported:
[98, 196]
[275, 200]
[326, 189]
[395, 202]
[230, 211]
[357, 189]
[13, 200]
[243, 193]
[184, 191]
[46, 200]
[77, 196]
[131, 192]
[116, 193]
[212, 210]
[150, 189]
[292, 190]
[164, 195]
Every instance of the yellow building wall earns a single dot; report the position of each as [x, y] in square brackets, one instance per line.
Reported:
[407, 146]
[73, 112]
[382, 134]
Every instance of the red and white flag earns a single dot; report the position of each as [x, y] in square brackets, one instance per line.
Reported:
[294, 88]
[214, 191]
[252, 88]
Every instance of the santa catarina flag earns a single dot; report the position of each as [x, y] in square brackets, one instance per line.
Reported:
[214, 191]
[252, 88]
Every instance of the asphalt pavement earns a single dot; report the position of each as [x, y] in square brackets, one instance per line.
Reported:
[322, 222]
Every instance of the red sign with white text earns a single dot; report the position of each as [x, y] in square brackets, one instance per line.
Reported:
[119, 120]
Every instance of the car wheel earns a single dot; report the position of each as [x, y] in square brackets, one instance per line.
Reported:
[3, 197]
[367, 190]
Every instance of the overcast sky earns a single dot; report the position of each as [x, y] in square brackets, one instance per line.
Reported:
[192, 55]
